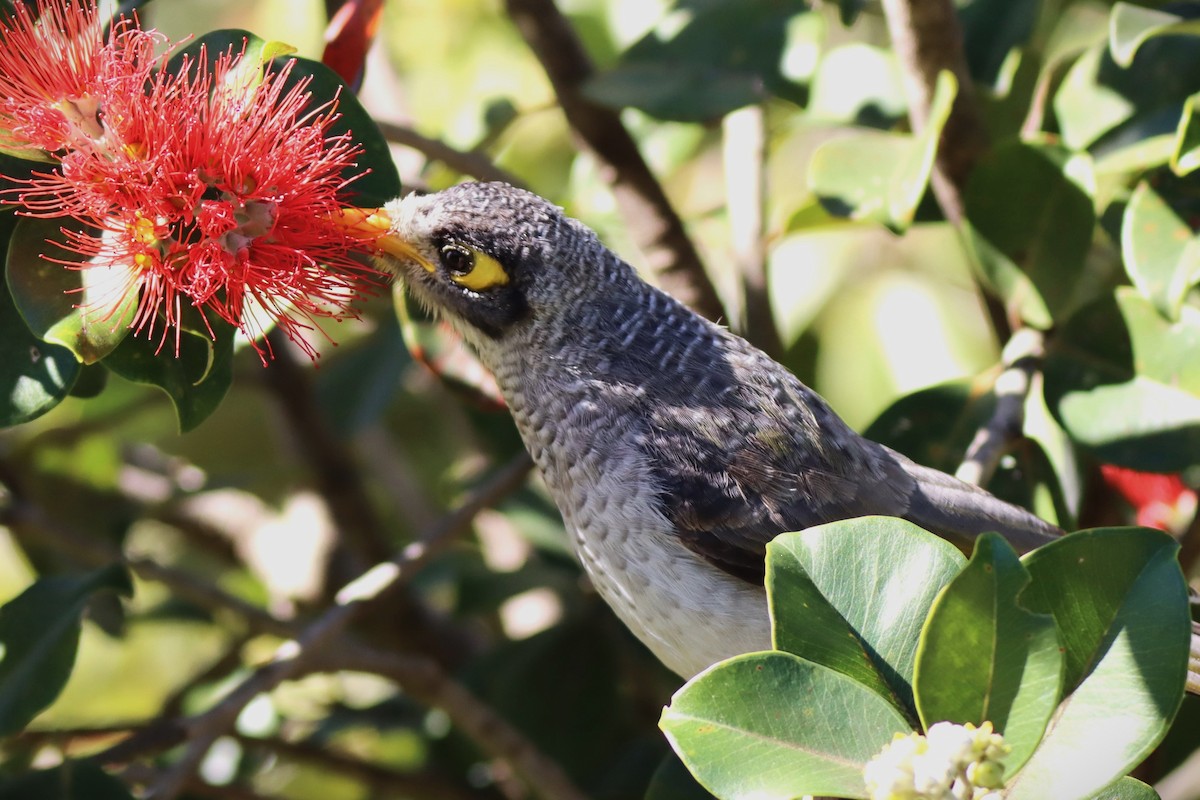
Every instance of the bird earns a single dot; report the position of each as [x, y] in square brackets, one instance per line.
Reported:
[674, 449]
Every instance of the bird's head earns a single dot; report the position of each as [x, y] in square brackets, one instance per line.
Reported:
[492, 259]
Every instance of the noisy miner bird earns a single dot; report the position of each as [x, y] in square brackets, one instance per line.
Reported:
[674, 449]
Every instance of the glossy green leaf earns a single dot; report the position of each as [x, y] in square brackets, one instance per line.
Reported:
[87, 310]
[35, 376]
[853, 596]
[71, 780]
[1131, 26]
[882, 176]
[1030, 229]
[1161, 255]
[196, 377]
[723, 55]
[1120, 602]
[772, 725]
[1185, 152]
[985, 658]
[1100, 102]
[1126, 789]
[382, 182]
[39, 633]
[1126, 383]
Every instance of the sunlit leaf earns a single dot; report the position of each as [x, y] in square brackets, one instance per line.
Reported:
[774, 726]
[1125, 382]
[85, 309]
[1131, 26]
[1161, 255]
[1004, 661]
[860, 616]
[882, 176]
[1120, 602]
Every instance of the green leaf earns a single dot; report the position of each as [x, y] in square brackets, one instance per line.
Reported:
[35, 376]
[86, 310]
[1130, 26]
[196, 377]
[882, 176]
[772, 725]
[1126, 383]
[1120, 602]
[1100, 103]
[853, 596]
[39, 632]
[1030, 229]
[1185, 152]
[71, 780]
[1003, 661]
[724, 55]
[1126, 789]
[382, 182]
[1161, 255]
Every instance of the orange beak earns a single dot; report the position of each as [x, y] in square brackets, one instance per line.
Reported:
[373, 227]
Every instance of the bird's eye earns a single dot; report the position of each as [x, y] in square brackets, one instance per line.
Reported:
[472, 269]
[458, 260]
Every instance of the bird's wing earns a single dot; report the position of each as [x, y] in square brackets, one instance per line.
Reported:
[736, 475]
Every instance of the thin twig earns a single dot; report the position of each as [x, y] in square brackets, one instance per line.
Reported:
[427, 786]
[1021, 360]
[644, 206]
[468, 162]
[362, 539]
[321, 635]
[745, 151]
[425, 681]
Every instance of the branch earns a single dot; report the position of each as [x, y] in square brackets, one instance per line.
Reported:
[928, 39]
[468, 162]
[745, 150]
[425, 681]
[1022, 358]
[321, 637]
[361, 538]
[644, 205]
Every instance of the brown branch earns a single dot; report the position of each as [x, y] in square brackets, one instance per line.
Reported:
[425, 681]
[927, 38]
[468, 162]
[644, 205]
[324, 635]
[1021, 361]
[361, 537]
[379, 778]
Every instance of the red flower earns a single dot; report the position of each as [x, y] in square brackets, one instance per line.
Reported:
[1161, 501]
[208, 187]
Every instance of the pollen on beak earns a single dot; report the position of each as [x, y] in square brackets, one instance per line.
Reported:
[373, 226]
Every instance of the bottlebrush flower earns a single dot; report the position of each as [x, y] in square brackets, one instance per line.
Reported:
[210, 186]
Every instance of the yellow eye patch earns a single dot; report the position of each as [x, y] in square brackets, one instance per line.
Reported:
[472, 269]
